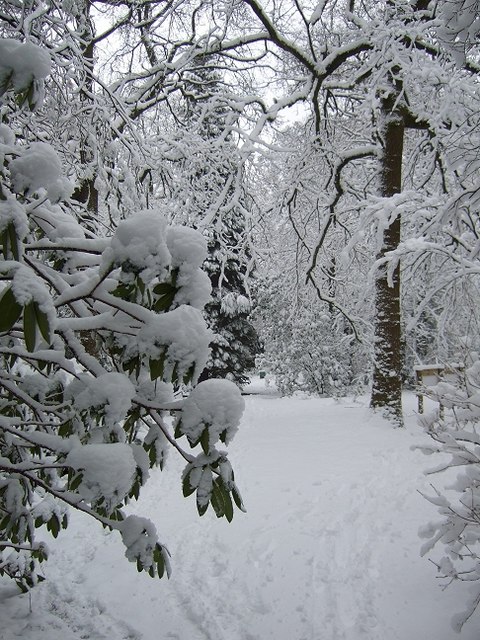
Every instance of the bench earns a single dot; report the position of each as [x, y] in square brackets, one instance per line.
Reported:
[429, 375]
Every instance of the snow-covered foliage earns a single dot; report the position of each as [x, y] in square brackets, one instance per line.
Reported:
[212, 192]
[101, 336]
[455, 431]
[24, 66]
[306, 348]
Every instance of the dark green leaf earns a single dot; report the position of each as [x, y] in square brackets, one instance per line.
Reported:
[10, 310]
[228, 506]
[205, 440]
[186, 486]
[217, 501]
[5, 244]
[202, 508]
[30, 326]
[76, 482]
[43, 324]
[189, 375]
[6, 83]
[157, 367]
[53, 525]
[164, 303]
[178, 433]
[237, 498]
[140, 285]
[163, 288]
[13, 240]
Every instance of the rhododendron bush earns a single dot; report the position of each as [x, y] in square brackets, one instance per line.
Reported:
[102, 339]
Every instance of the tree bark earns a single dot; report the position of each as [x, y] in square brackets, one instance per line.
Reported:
[86, 192]
[388, 352]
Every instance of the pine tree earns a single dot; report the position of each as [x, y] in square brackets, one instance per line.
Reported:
[218, 203]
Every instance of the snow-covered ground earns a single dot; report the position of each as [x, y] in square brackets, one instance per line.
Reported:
[328, 550]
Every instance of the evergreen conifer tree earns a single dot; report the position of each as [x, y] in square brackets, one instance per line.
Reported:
[220, 205]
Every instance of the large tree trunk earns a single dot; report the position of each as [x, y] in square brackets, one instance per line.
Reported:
[387, 380]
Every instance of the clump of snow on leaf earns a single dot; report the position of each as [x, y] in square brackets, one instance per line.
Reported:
[7, 137]
[22, 63]
[108, 471]
[113, 391]
[140, 537]
[186, 246]
[139, 246]
[188, 249]
[232, 304]
[28, 287]
[183, 334]
[158, 390]
[39, 167]
[11, 212]
[7, 140]
[216, 404]
[57, 224]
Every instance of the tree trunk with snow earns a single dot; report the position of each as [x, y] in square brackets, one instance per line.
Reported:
[86, 192]
[387, 381]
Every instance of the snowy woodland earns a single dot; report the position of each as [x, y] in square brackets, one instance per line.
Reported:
[197, 192]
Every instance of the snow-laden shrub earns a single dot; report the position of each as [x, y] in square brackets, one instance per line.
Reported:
[308, 349]
[456, 434]
[100, 339]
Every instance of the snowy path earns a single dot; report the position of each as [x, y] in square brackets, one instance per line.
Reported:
[327, 551]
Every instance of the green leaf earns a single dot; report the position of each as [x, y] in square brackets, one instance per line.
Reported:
[160, 560]
[21, 586]
[124, 291]
[31, 96]
[161, 568]
[5, 83]
[43, 324]
[65, 429]
[164, 303]
[140, 285]
[187, 377]
[53, 525]
[202, 508]
[5, 243]
[205, 440]
[228, 506]
[178, 433]
[30, 326]
[174, 376]
[237, 498]
[217, 500]
[221, 500]
[157, 367]
[163, 288]
[13, 240]
[10, 310]
[152, 456]
[76, 482]
[186, 486]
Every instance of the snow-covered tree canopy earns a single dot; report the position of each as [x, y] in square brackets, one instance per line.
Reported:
[100, 338]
